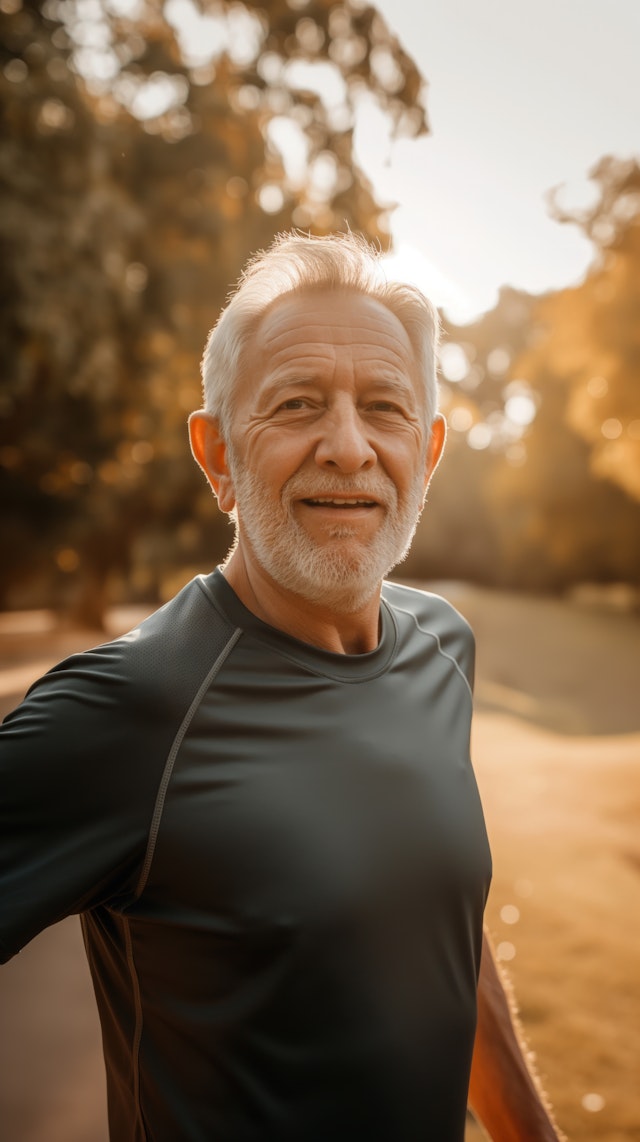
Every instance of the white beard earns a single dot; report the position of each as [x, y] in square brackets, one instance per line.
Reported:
[344, 572]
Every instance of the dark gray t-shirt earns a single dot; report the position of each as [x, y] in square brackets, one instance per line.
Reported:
[281, 864]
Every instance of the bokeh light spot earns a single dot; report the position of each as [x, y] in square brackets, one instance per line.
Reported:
[460, 419]
[142, 452]
[55, 116]
[67, 559]
[611, 428]
[15, 70]
[593, 1102]
[505, 951]
[509, 914]
[453, 362]
[136, 277]
[479, 437]
[270, 198]
[498, 361]
[520, 409]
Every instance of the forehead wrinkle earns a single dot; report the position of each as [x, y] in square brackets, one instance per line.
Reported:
[386, 354]
[375, 341]
[326, 331]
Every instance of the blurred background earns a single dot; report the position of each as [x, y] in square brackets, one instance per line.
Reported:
[147, 149]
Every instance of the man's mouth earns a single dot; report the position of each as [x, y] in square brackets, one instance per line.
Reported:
[338, 502]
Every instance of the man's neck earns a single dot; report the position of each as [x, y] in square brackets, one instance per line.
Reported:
[314, 623]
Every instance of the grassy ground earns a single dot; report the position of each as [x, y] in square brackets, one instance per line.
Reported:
[557, 751]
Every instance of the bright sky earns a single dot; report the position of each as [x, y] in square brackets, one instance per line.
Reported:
[522, 97]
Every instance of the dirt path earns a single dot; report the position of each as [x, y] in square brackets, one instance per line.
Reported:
[562, 810]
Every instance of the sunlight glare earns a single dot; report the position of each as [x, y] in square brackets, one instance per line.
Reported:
[579, 194]
[407, 264]
[323, 79]
[132, 9]
[205, 37]
[290, 141]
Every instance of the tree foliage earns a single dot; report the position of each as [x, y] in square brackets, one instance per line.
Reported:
[541, 481]
[147, 149]
[519, 502]
[591, 337]
[139, 168]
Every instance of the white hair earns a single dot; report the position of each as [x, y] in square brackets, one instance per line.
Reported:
[297, 262]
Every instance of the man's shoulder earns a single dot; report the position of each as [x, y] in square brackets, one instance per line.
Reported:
[427, 615]
[157, 666]
[188, 626]
[426, 607]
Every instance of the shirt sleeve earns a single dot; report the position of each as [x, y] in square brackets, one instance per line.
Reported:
[77, 782]
[82, 761]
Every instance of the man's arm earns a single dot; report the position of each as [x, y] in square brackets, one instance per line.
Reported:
[504, 1093]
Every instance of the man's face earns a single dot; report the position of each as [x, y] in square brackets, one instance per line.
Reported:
[329, 454]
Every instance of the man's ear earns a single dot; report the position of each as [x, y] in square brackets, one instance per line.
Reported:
[435, 449]
[210, 451]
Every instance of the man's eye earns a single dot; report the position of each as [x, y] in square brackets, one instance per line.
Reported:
[293, 403]
[384, 406]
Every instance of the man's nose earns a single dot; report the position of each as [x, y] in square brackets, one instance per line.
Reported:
[344, 443]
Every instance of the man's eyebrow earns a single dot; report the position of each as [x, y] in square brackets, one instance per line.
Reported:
[278, 383]
[380, 375]
[295, 377]
[391, 381]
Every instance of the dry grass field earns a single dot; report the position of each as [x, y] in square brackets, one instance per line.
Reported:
[557, 755]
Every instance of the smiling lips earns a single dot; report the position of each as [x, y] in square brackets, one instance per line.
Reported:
[338, 502]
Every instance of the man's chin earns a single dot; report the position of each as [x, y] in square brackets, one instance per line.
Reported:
[339, 599]
[336, 580]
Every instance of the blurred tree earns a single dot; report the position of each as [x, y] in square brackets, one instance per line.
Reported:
[517, 503]
[462, 534]
[592, 339]
[541, 484]
[147, 150]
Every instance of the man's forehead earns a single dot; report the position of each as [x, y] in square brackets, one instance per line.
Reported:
[329, 317]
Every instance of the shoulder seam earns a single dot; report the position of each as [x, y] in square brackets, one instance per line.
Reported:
[444, 653]
[154, 828]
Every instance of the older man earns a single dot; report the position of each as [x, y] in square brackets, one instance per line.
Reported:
[261, 800]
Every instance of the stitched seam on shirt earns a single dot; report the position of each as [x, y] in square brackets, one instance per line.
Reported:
[137, 1034]
[168, 768]
[444, 653]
